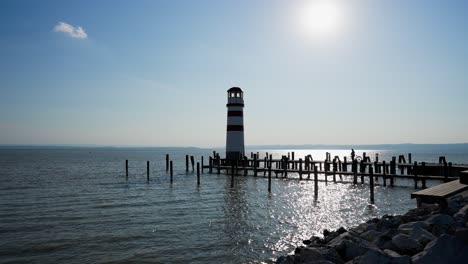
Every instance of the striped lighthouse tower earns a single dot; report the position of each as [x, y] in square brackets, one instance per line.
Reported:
[235, 124]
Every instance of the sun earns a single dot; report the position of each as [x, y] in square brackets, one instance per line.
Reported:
[321, 17]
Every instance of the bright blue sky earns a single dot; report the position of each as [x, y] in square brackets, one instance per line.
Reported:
[155, 73]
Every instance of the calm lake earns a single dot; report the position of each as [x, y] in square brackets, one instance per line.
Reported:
[74, 205]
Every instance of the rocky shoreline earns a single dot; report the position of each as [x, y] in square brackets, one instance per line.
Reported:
[427, 234]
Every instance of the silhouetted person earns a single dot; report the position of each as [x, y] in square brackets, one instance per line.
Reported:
[352, 154]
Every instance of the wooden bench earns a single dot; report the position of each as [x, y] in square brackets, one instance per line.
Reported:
[440, 193]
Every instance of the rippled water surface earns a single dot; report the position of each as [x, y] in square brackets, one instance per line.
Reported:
[74, 205]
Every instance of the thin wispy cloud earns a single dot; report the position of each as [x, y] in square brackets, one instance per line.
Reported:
[74, 32]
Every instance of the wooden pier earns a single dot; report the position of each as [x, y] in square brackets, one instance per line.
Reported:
[358, 168]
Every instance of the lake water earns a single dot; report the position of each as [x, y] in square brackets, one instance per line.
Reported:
[74, 205]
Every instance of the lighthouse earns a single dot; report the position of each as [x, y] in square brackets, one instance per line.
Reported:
[235, 124]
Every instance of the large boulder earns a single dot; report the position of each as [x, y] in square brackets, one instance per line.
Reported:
[462, 215]
[441, 224]
[406, 228]
[406, 245]
[421, 235]
[290, 259]
[376, 256]
[445, 249]
[310, 254]
[352, 248]
[440, 219]
[371, 235]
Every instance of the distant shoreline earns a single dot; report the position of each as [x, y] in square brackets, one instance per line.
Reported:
[460, 146]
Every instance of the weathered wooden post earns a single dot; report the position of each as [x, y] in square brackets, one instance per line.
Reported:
[171, 171]
[393, 166]
[147, 170]
[269, 177]
[255, 165]
[415, 172]
[363, 170]
[340, 169]
[232, 175]
[246, 163]
[202, 164]
[308, 168]
[265, 165]
[315, 181]
[300, 169]
[186, 162]
[126, 168]
[423, 179]
[167, 162]
[392, 177]
[409, 158]
[198, 173]
[384, 176]
[292, 156]
[450, 169]
[334, 171]
[445, 171]
[285, 167]
[376, 165]
[218, 164]
[325, 165]
[354, 170]
[345, 164]
[371, 180]
[210, 170]
[192, 161]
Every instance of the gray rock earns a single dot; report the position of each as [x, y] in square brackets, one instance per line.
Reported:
[286, 260]
[371, 235]
[331, 236]
[406, 245]
[309, 255]
[391, 253]
[445, 249]
[440, 219]
[421, 235]
[406, 228]
[373, 256]
[462, 214]
[352, 248]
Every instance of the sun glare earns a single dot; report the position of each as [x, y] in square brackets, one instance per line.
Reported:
[321, 17]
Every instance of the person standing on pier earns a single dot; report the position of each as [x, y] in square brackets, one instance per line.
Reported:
[352, 154]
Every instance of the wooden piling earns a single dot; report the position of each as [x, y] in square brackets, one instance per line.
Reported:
[210, 170]
[186, 162]
[198, 173]
[167, 162]
[363, 170]
[371, 181]
[202, 163]
[171, 171]
[409, 158]
[415, 172]
[147, 170]
[334, 171]
[423, 180]
[126, 168]
[326, 170]
[232, 175]
[300, 169]
[315, 182]
[246, 164]
[255, 165]
[345, 164]
[269, 178]
[218, 164]
[192, 161]
[354, 170]
[445, 171]
[384, 174]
